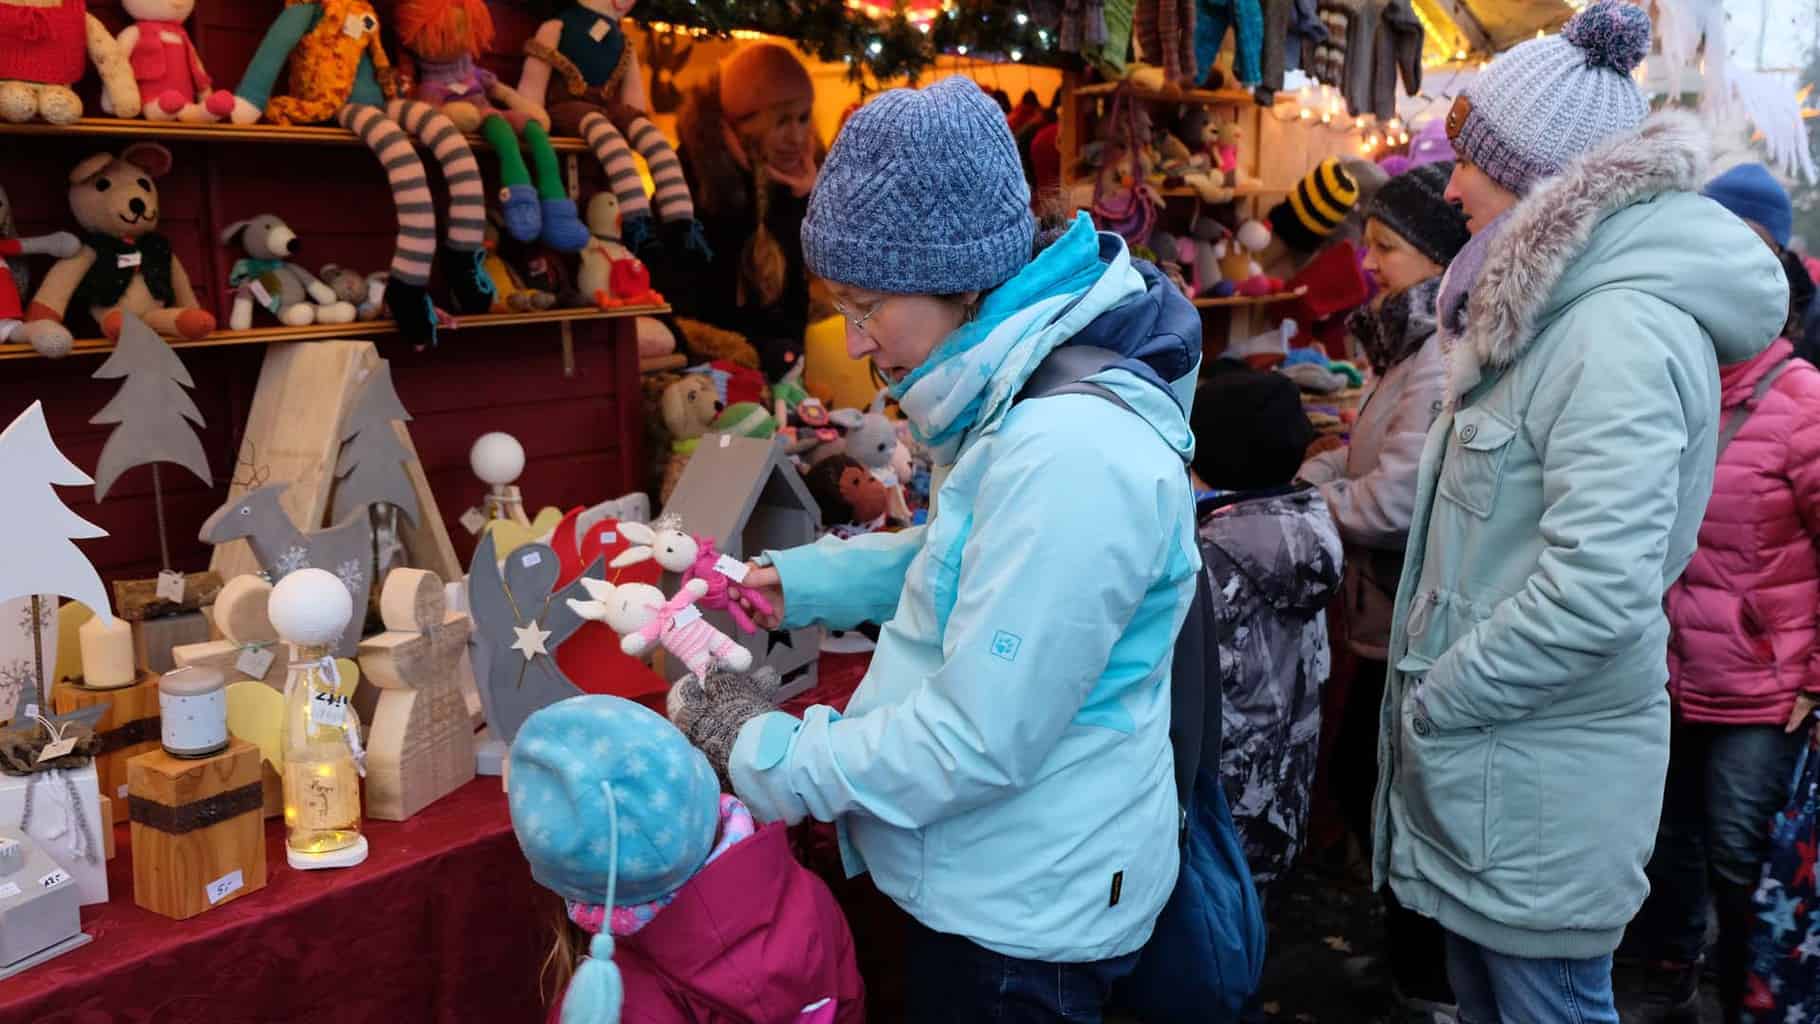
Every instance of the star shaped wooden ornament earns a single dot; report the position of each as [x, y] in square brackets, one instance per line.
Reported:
[531, 638]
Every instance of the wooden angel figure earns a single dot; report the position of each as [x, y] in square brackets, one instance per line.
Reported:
[421, 746]
[642, 617]
[581, 68]
[518, 624]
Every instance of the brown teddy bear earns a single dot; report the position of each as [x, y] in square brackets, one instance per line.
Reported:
[689, 406]
[125, 265]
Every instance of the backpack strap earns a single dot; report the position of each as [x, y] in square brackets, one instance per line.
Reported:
[1064, 371]
[1735, 420]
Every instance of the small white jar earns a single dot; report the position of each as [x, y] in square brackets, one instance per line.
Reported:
[192, 705]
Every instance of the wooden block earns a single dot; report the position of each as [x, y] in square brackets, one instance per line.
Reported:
[198, 830]
[293, 433]
[421, 746]
[154, 639]
[239, 614]
[129, 727]
[135, 600]
[107, 827]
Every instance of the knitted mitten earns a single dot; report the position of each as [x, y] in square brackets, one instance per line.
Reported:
[711, 715]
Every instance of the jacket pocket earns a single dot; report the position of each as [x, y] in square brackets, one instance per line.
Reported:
[1476, 453]
[1444, 777]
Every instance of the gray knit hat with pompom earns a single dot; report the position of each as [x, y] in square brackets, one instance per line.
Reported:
[922, 194]
[1545, 102]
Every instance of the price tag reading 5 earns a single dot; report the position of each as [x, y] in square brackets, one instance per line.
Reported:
[329, 710]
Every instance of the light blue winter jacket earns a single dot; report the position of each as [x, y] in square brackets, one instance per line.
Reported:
[1004, 770]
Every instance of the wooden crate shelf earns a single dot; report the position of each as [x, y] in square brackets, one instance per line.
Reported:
[170, 131]
[369, 329]
[1247, 300]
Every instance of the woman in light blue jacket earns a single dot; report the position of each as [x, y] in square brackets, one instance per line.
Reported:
[1004, 771]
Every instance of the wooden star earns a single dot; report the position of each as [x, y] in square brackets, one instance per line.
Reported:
[531, 638]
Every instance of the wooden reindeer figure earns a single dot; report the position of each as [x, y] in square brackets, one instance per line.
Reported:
[345, 549]
[519, 620]
[421, 747]
[251, 650]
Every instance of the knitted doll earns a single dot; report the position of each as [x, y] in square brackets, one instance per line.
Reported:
[13, 280]
[445, 36]
[581, 69]
[1165, 34]
[173, 84]
[41, 60]
[679, 907]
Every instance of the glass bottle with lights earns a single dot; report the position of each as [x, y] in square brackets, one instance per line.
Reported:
[320, 738]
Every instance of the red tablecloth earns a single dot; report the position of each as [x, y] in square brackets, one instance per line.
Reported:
[442, 923]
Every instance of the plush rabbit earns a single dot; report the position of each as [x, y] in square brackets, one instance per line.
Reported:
[693, 558]
[641, 617]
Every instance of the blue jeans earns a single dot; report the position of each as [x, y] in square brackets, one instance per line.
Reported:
[953, 981]
[1496, 989]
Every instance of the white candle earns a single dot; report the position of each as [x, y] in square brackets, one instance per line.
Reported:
[107, 654]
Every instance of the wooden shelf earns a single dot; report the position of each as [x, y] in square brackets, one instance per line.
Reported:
[1204, 97]
[171, 131]
[1248, 300]
[370, 329]
[658, 364]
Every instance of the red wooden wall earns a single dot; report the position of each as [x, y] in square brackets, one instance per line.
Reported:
[580, 433]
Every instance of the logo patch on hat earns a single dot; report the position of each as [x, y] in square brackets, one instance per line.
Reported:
[1005, 645]
[1456, 118]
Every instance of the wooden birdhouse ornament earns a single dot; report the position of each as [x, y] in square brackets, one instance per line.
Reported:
[319, 738]
[422, 743]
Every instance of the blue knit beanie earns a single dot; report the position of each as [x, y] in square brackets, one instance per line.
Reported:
[1545, 102]
[1752, 193]
[922, 194]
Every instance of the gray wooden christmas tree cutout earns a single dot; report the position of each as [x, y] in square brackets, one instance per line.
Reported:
[39, 529]
[152, 413]
[345, 549]
[518, 624]
[371, 467]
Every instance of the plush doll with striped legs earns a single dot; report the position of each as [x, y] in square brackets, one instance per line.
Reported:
[581, 68]
[444, 37]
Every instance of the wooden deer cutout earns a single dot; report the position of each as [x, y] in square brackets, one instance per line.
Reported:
[421, 746]
[345, 549]
[251, 651]
[518, 624]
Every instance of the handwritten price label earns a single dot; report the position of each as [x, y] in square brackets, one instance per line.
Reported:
[329, 710]
[223, 887]
[170, 586]
[255, 661]
[54, 879]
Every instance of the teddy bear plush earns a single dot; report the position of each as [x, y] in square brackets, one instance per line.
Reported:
[265, 277]
[366, 293]
[173, 84]
[45, 43]
[124, 265]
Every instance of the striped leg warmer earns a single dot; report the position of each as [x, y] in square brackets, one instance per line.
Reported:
[464, 245]
[407, 293]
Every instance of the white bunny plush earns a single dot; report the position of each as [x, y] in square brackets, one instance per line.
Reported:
[664, 540]
[641, 617]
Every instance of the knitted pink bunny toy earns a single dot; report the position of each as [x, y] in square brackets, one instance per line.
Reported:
[723, 590]
[641, 616]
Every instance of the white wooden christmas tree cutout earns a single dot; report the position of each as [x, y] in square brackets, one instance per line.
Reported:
[422, 743]
[40, 531]
[152, 413]
[251, 650]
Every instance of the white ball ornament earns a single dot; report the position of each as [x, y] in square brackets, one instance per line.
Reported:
[310, 607]
[497, 458]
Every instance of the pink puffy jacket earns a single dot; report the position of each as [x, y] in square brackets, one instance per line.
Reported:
[1746, 613]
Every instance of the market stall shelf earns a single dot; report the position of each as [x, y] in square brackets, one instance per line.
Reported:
[371, 329]
[169, 131]
[1207, 97]
[1245, 300]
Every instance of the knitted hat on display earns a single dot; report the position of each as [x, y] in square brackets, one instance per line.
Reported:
[922, 194]
[579, 760]
[759, 75]
[1250, 431]
[1753, 194]
[1317, 205]
[1544, 102]
[1429, 144]
[1414, 205]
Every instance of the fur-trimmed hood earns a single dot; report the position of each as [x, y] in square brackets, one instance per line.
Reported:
[1624, 216]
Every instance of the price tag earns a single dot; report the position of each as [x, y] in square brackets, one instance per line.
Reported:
[474, 520]
[8, 891]
[530, 559]
[600, 29]
[356, 26]
[31, 712]
[329, 710]
[223, 887]
[56, 749]
[120, 794]
[54, 879]
[608, 537]
[725, 440]
[732, 568]
[260, 295]
[128, 259]
[255, 661]
[170, 586]
[683, 618]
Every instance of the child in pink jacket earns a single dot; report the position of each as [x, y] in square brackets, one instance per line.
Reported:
[679, 909]
[1744, 654]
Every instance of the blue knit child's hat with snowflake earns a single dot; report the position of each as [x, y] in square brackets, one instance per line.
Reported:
[582, 762]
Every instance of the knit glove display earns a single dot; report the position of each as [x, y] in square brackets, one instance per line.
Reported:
[711, 715]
